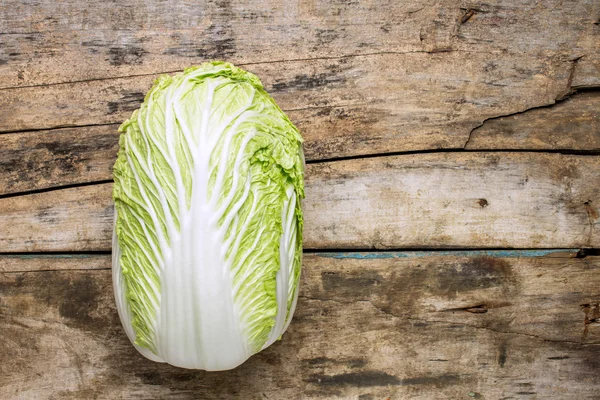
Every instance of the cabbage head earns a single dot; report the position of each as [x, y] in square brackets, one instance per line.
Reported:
[208, 228]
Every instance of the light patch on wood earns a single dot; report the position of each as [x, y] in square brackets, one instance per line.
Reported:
[419, 200]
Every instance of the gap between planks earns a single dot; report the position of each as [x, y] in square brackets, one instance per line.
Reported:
[589, 153]
[104, 257]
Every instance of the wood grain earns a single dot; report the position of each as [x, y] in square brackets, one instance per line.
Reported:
[49, 43]
[573, 124]
[587, 72]
[344, 107]
[58, 157]
[82, 216]
[52, 262]
[367, 326]
[423, 100]
[68, 156]
[364, 78]
[490, 200]
[454, 200]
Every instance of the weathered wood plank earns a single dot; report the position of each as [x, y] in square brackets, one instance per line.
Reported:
[368, 325]
[501, 200]
[505, 291]
[46, 159]
[573, 124]
[446, 85]
[518, 200]
[46, 43]
[67, 156]
[46, 221]
[344, 106]
[52, 262]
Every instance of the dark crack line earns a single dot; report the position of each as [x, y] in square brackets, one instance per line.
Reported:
[53, 270]
[409, 318]
[582, 153]
[58, 127]
[471, 133]
[328, 106]
[244, 64]
[559, 99]
[54, 188]
[566, 152]
[77, 254]
[116, 123]
[505, 116]
[91, 255]
[556, 251]
[529, 335]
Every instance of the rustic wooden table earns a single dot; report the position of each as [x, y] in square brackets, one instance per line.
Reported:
[453, 194]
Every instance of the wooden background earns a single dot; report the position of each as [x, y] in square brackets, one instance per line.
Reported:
[452, 210]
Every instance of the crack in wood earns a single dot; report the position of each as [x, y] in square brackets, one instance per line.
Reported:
[559, 99]
[450, 323]
[250, 63]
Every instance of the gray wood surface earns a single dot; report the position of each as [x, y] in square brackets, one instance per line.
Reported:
[435, 325]
[573, 124]
[441, 127]
[468, 200]
[49, 43]
[67, 156]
